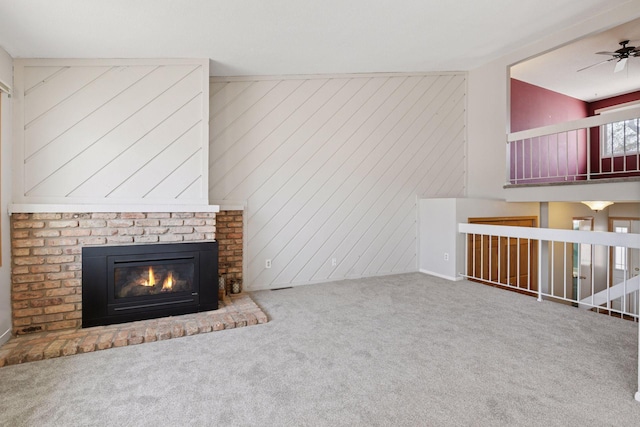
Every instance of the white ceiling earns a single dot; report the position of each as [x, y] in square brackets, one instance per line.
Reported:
[279, 37]
[557, 70]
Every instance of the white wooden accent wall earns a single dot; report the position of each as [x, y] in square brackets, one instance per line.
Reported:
[331, 168]
[111, 131]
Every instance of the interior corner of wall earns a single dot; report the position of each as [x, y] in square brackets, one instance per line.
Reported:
[5, 334]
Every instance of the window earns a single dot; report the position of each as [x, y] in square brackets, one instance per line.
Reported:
[620, 138]
[620, 253]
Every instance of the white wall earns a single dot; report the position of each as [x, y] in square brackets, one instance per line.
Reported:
[438, 236]
[488, 120]
[111, 131]
[5, 199]
[439, 219]
[329, 167]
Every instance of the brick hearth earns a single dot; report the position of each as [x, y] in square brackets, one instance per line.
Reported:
[235, 311]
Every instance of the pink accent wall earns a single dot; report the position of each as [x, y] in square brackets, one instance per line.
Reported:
[533, 107]
[542, 159]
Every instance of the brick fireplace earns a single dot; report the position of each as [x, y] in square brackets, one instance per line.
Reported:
[47, 255]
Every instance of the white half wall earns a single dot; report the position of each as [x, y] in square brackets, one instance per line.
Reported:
[330, 167]
[111, 131]
[5, 198]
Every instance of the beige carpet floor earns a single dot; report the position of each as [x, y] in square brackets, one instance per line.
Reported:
[406, 350]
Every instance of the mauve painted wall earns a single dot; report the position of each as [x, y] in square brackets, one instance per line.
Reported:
[618, 162]
[541, 159]
[533, 107]
[610, 102]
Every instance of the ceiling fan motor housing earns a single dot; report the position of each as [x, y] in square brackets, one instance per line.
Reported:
[626, 51]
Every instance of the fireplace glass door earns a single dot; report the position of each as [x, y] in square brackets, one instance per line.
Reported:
[152, 279]
[140, 282]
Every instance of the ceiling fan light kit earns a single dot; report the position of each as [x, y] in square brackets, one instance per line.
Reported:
[621, 56]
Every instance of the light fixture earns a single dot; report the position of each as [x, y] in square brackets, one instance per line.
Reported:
[597, 205]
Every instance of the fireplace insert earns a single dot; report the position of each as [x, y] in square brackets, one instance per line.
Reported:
[137, 282]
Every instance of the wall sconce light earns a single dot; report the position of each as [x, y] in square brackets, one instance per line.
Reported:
[597, 205]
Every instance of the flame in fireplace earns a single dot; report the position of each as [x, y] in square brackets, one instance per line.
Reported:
[168, 282]
[152, 279]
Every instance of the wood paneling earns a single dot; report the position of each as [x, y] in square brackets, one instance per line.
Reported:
[330, 167]
[108, 131]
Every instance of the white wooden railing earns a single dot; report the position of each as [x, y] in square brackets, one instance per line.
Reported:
[562, 152]
[539, 261]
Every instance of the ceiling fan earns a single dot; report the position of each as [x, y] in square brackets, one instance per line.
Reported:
[620, 56]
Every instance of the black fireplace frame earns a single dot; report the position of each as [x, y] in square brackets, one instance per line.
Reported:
[99, 307]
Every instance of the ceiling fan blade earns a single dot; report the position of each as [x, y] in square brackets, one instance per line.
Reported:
[607, 53]
[595, 65]
[620, 65]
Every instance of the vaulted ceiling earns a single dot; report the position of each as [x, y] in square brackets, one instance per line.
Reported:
[279, 37]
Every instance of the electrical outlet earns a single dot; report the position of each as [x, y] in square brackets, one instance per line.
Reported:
[334, 262]
[267, 263]
[446, 256]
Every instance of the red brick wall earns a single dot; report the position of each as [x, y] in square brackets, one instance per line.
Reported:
[46, 259]
[229, 236]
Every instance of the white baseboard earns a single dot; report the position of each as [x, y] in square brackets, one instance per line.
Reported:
[264, 287]
[442, 276]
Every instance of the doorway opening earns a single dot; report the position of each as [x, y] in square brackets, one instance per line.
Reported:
[582, 261]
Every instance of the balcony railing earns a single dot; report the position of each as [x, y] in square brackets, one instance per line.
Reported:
[577, 268]
[572, 151]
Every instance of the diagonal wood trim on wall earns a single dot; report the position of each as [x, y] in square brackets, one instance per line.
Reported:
[111, 131]
[331, 168]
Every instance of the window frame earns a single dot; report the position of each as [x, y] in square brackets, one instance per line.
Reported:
[605, 142]
[604, 137]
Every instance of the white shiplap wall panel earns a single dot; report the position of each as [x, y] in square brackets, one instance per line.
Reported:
[80, 114]
[353, 166]
[107, 111]
[395, 152]
[63, 171]
[262, 133]
[226, 93]
[279, 209]
[132, 154]
[236, 118]
[68, 82]
[36, 76]
[79, 120]
[155, 171]
[296, 149]
[331, 167]
[283, 209]
[272, 150]
[182, 177]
